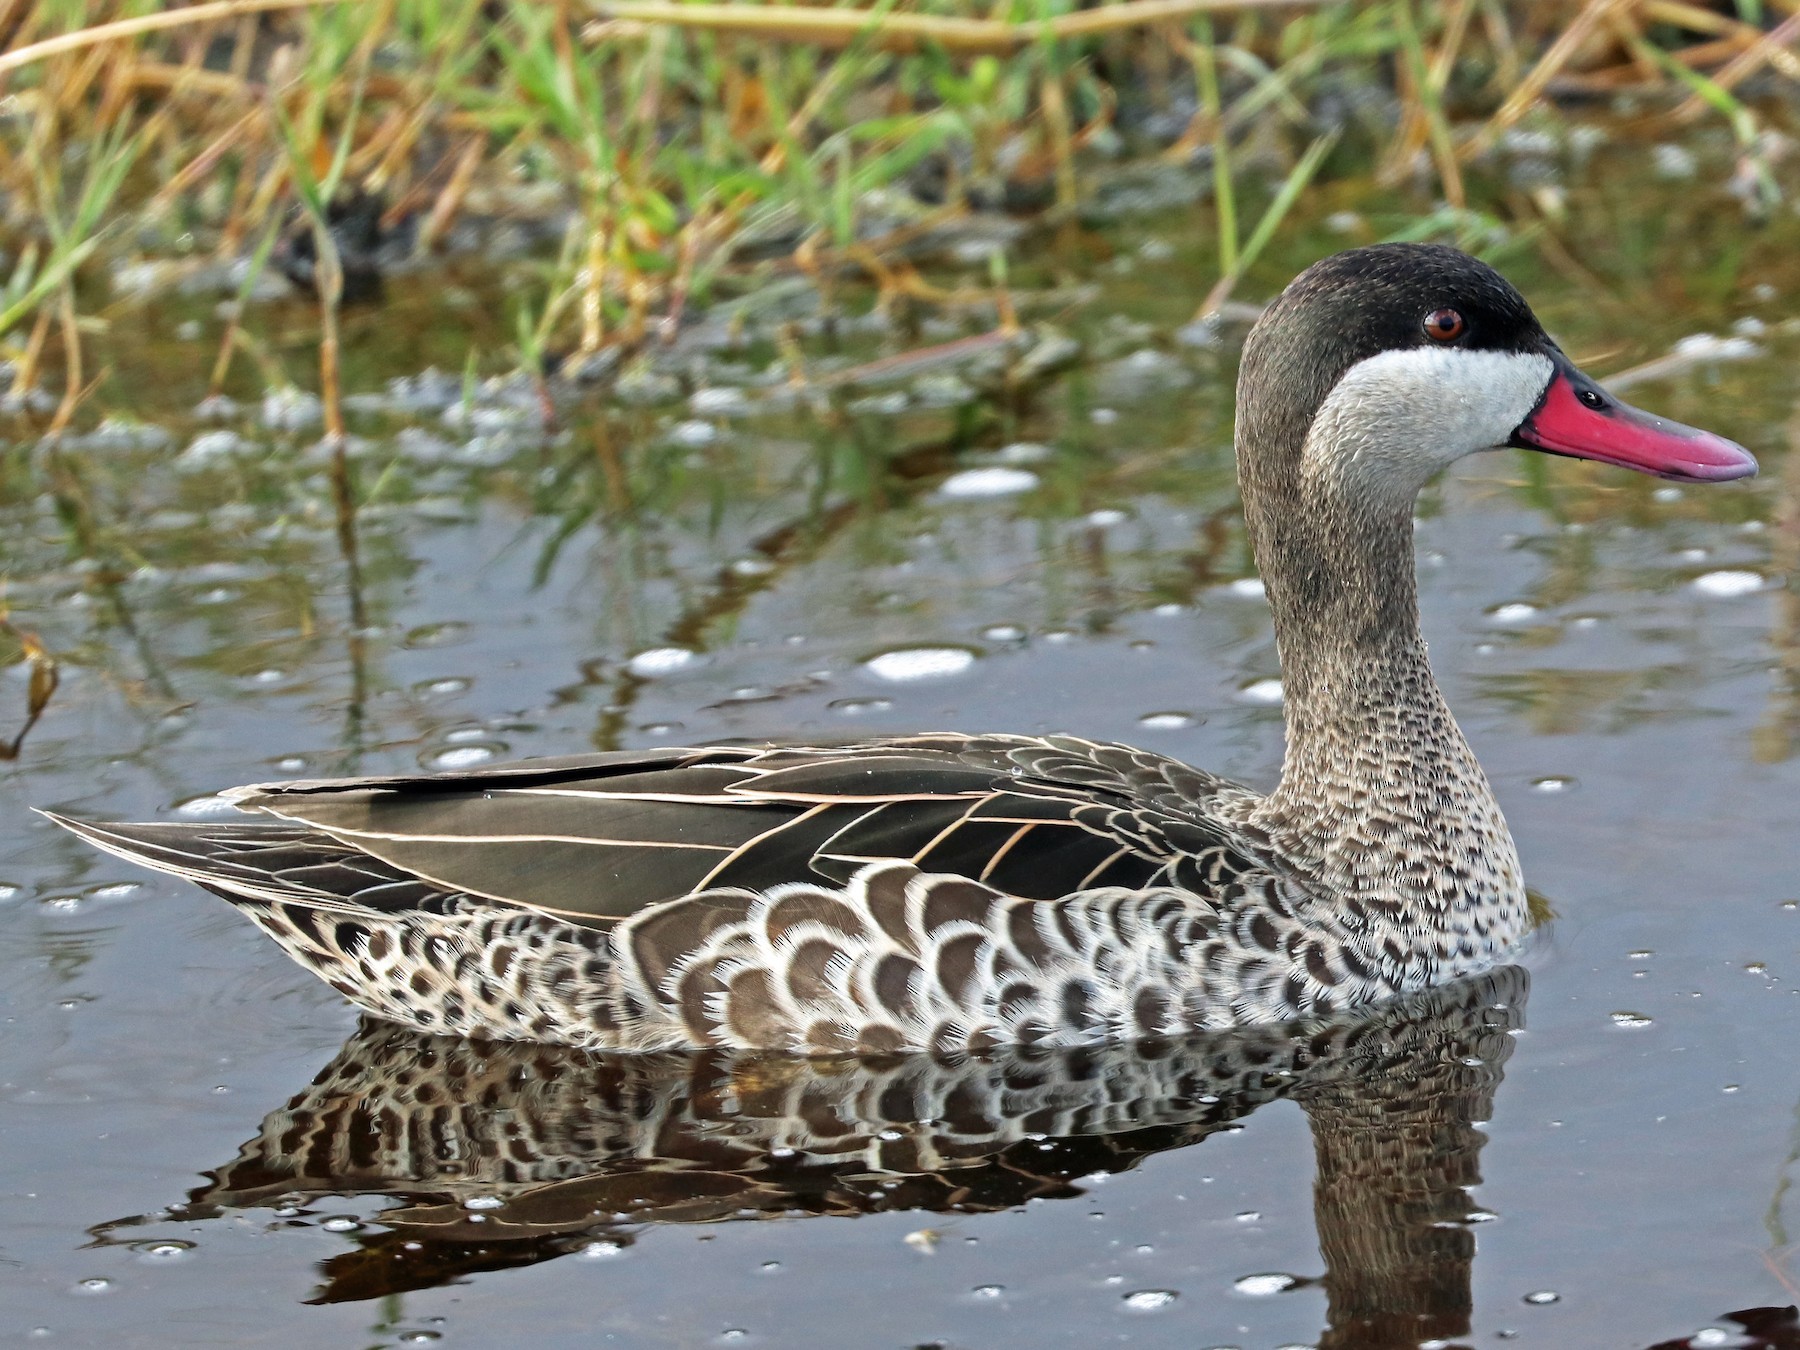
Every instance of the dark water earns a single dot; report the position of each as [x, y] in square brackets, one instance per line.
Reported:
[1603, 1161]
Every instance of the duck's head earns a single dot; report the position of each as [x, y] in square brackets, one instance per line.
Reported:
[1377, 367]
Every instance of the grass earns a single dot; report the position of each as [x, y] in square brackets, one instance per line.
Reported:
[677, 141]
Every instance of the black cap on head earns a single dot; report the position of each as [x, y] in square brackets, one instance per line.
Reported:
[1371, 300]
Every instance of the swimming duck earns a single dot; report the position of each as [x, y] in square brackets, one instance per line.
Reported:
[950, 892]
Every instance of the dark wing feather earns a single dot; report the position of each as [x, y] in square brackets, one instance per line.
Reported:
[594, 838]
[550, 771]
[584, 854]
[275, 863]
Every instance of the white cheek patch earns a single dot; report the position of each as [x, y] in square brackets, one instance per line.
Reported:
[1396, 419]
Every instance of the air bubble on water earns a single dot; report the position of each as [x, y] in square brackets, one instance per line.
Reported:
[1480, 1216]
[66, 903]
[719, 401]
[732, 1335]
[291, 763]
[1268, 693]
[923, 1240]
[1552, 783]
[770, 1267]
[647, 665]
[1168, 720]
[1641, 954]
[418, 1337]
[461, 757]
[693, 433]
[341, 1223]
[601, 1250]
[1169, 610]
[1727, 584]
[1540, 1297]
[1630, 1019]
[1260, 1286]
[988, 1290]
[483, 1202]
[1150, 1300]
[994, 481]
[1515, 611]
[94, 1285]
[114, 890]
[920, 663]
[1248, 588]
[1248, 1215]
[1004, 632]
[855, 707]
[1730, 1088]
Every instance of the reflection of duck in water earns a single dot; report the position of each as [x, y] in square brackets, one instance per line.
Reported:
[952, 892]
[576, 1148]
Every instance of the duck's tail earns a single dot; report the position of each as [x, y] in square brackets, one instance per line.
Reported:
[256, 864]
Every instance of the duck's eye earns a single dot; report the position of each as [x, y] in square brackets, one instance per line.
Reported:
[1445, 325]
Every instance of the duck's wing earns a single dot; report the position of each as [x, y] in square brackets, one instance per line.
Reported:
[593, 839]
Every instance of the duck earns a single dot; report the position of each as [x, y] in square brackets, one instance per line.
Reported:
[952, 893]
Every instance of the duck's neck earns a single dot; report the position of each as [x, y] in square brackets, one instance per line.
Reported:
[1380, 796]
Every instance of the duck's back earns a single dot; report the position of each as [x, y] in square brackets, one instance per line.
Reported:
[598, 838]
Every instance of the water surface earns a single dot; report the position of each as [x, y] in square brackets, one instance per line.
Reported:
[1604, 1162]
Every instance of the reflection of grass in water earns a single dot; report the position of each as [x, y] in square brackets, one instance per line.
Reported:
[677, 140]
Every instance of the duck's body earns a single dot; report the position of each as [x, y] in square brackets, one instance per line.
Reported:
[945, 891]
[939, 892]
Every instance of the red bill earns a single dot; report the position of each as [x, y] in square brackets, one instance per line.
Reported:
[1577, 418]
